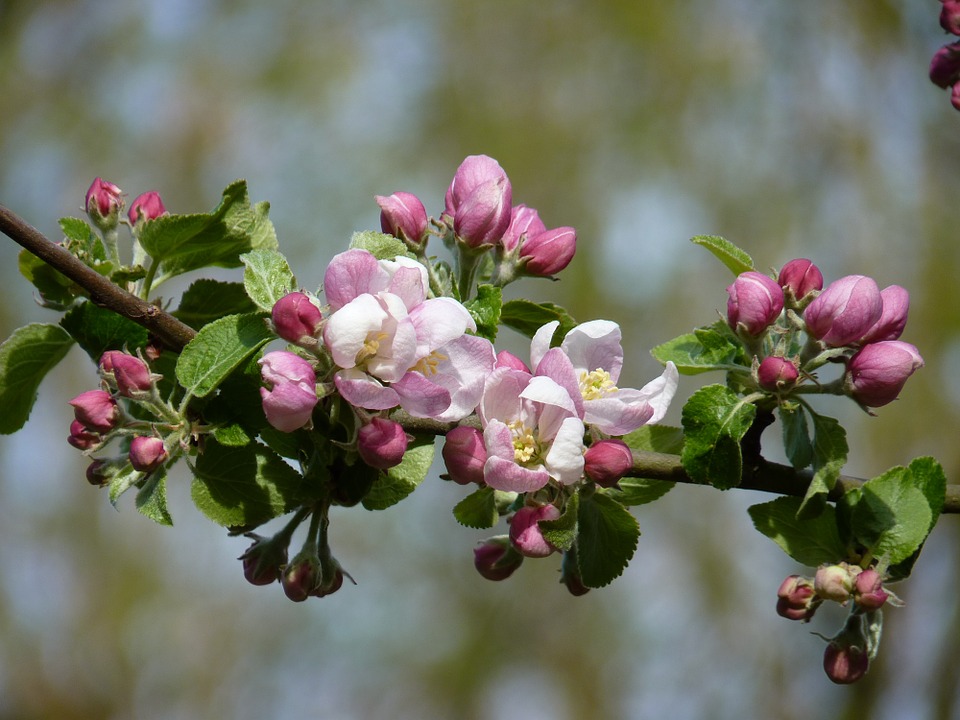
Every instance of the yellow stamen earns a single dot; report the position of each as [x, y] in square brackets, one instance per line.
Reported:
[524, 444]
[430, 365]
[371, 347]
[594, 385]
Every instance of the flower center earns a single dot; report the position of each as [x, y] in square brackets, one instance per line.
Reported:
[371, 347]
[525, 447]
[430, 365]
[594, 385]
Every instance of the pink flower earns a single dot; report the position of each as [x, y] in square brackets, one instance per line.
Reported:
[96, 410]
[382, 443]
[525, 533]
[403, 215]
[464, 455]
[755, 302]
[103, 203]
[289, 402]
[395, 347]
[606, 461]
[145, 207]
[845, 310]
[296, 319]
[525, 222]
[549, 252]
[800, 277]
[893, 317]
[479, 201]
[587, 364]
[878, 372]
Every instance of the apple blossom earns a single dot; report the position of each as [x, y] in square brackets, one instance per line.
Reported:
[289, 402]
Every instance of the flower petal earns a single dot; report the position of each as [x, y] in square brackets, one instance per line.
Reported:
[346, 331]
[364, 391]
[351, 274]
[595, 345]
[564, 460]
[420, 397]
[541, 342]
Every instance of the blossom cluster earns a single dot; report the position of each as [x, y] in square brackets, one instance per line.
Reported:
[850, 321]
[945, 66]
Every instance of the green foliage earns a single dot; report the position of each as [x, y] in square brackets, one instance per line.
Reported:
[715, 419]
[562, 532]
[655, 438]
[97, 330]
[736, 260]
[207, 300]
[25, 359]
[394, 484]
[152, 499]
[57, 291]
[381, 245]
[703, 350]
[829, 456]
[809, 541]
[527, 317]
[485, 309]
[219, 348]
[267, 277]
[478, 509]
[606, 539]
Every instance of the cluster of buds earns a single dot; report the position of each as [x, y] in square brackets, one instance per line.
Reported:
[850, 320]
[847, 656]
[104, 205]
[99, 417]
[945, 66]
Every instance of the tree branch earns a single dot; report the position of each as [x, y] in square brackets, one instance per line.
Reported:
[766, 477]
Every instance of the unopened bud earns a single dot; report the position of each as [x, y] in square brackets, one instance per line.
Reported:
[103, 204]
[844, 311]
[549, 252]
[96, 410]
[525, 532]
[129, 373]
[606, 461]
[382, 443]
[868, 590]
[81, 437]
[878, 372]
[464, 454]
[755, 302]
[147, 453]
[403, 216]
[777, 374]
[845, 660]
[893, 317]
[799, 278]
[263, 560]
[296, 319]
[146, 207]
[302, 576]
[834, 582]
[495, 559]
[796, 599]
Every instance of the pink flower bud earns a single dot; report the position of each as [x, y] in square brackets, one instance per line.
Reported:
[382, 443]
[404, 216]
[796, 599]
[302, 576]
[96, 410]
[146, 207]
[955, 96]
[296, 319]
[845, 662]
[464, 454]
[81, 437]
[950, 16]
[777, 373]
[479, 201]
[509, 360]
[525, 533]
[799, 278]
[878, 372]
[833, 582]
[549, 252]
[147, 453]
[289, 404]
[844, 311]
[755, 302]
[495, 559]
[945, 65]
[263, 560]
[606, 461]
[103, 204]
[130, 374]
[95, 473]
[893, 318]
[524, 223]
[868, 590]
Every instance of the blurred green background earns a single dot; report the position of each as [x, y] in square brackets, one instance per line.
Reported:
[793, 129]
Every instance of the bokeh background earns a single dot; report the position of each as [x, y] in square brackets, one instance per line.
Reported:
[793, 129]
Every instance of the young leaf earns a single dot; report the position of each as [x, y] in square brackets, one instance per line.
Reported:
[633, 491]
[736, 260]
[188, 242]
[656, 438]
[243, 486]
[152, 498]
[381, 245]
[715, 419]
[207, 300]
[122, 481]
[25, 359]
[606, 540]
[97, 330]
[478, 509]
[57, 291]
[218, 349]
[796, 436]
[562, 532]
[810, 542]
[485, 309]
[703, 350]
[527, 317]
[929, 477]
[267, 277]
[395, 484]
[829, 456]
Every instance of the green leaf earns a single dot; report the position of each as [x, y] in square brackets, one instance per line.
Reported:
[396, 483]
[57, 291]
[606, 540]
[562, 532]
[188, 242]
[810, 542]
[267, 277]
[897, 510]
[152, 498]
[218, 349]
[639, 491]
[232, 435]
[829, 456]
[736, 260]
[207, 300]
[485, 310]
[796, 436]
[383, 246]
[703, 350]
[243, 486]
[655, 438]
[123, 480]
[527, 317]
[97, 330]
[715, 419]
[478, 509]
[288, 445]
[929, 477]
[25, 359]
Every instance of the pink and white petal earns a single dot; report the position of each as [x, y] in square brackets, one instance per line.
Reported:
[346, 331]
[595, 345]
[409, 284]
[351, 274]
[659, 393]
[439, 321]
[469, 361]
[541, 342]
[506, 475]
[498, 440]
[420, 397]
[557, 366]
[564, 459]
[547, 391]
[397, 352]
[501, 395]
[617, 414]
[362, 390]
